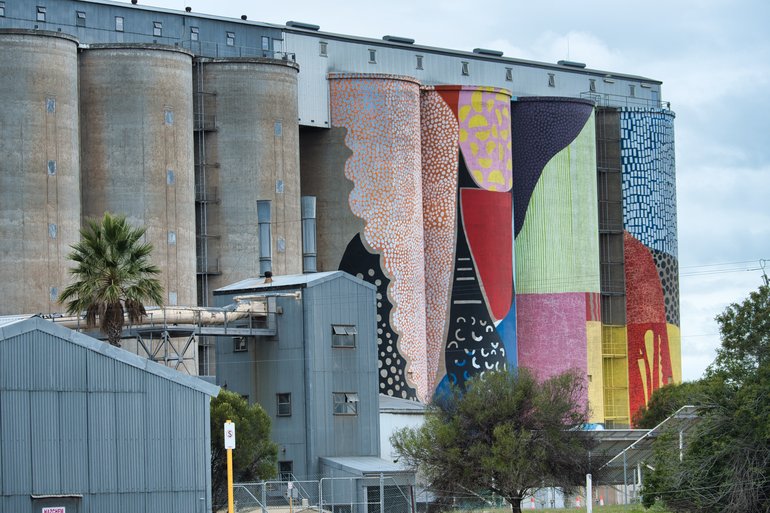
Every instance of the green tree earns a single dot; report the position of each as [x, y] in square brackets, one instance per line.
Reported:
[507, 433]
[113, 276]
[725, 466]
[255, 456]
[667, 400]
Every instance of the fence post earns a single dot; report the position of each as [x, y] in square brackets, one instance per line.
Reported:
[264, 497]
[382, 493]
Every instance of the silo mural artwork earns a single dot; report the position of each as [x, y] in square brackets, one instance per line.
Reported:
[650, 240]
[557, 248]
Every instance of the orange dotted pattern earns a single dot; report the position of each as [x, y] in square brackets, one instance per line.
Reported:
[382, 118]
[439, 190]
[485, 137]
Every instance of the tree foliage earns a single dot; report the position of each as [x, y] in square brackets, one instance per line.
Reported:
[667, 400]
[725, 466]
[113, 276]
[255, 456]
[507, 433]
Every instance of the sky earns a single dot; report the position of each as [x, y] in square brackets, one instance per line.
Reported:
[713, 58]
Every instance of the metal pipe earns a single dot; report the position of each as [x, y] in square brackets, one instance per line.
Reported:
[309, 261]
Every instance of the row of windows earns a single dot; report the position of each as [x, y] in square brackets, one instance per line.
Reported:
[344, 403]
[343, 336]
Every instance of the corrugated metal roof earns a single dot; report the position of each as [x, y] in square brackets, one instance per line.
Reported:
[5, 320]
[287, 281]
[364, 465]
[389, 404]
[29, 324]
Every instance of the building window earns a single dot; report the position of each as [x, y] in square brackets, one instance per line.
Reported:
[285, 470]
[168, 117]
[40, 13]
[231, 39]
[345, 403]
[419, 61]
[509, 74]
[551, 80]
[193, 33]
[118, 23]
[2, 9]
[284, 405]
[372, 56]
[240, 344]
[80, 18]
[592, 85]
[343, 336]
[631, 90]
[157, 28]
[323, 48]
[265, 43]
[51, 167]
[465, 70]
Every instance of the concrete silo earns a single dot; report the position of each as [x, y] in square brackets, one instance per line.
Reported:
[247, 151]
[137, 150]
[39, 167]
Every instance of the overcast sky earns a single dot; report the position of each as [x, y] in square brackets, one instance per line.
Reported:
[713, 58]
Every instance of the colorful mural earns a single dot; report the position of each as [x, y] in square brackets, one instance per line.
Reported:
[650, 241]
[557, 239]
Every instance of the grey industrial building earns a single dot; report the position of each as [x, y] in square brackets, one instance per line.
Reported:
[88, 427]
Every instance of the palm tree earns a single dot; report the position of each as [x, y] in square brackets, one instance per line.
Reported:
[113, 276]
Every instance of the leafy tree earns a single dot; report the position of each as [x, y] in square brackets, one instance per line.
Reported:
[113, 276]
[255, 456]
[667, 400]
[507, 433]
[725, 466]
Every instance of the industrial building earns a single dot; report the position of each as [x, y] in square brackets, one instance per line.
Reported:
[87, 427]
[508, 212]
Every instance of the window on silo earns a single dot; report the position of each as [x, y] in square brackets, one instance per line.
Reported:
[551, 80]
[419, 61]
[80, 18]
[118, 23]
[157, 28]
[323, 48]
[194, 34]
[465, 70]
[2, 9]
[372, 56]
[509, 74]
[40, 13]
[231, 39]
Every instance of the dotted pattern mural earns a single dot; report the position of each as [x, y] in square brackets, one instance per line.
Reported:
[358, 261]
[668, 271]
[382, 116]
[540, 128]
[649, 185]
[439, 129]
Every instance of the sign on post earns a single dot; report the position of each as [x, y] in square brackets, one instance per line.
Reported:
[229, 435]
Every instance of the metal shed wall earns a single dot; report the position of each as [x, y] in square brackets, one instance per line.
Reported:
[96, 422]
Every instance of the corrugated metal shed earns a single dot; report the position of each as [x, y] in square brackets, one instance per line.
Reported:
[80, 418]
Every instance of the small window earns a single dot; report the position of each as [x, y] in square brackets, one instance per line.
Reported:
[50, 105]
[168, 117]
[193, 33]
[323, 48]
[592, 85]
[345, 403]
[40, 13]
[465, 70]
[157, 28]
[372, 56]
[419, 61]
[2, 9]
[240, 344]
[118, 23]
[284, 405]
[171, 238]
[344, 336]
[285, 470]
[265, 43]
[509, 74]
[231, 39]
[631, 90]
[51, 167]
[170, 177]
[80, 18]
[551, 80]
[278, 45]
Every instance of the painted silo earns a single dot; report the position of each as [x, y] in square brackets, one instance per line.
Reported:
[247, 143]
[468, 230]
[365, 172]
[650, 251]
[557, 240]
[137, 150]
[39, 168]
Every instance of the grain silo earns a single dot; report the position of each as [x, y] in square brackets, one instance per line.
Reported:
[247, 151]
[137, 150]
[557, 239]
[39, 167]
[366, 175]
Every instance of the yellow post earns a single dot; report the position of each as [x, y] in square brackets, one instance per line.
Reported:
[230, 502]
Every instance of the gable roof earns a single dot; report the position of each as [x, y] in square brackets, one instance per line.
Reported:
[13, 326]
[288, 281]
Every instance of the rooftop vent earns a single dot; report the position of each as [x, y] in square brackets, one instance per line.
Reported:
[398, 39]
[301, 25]
[485, 51]
[244, 17]
[188, 9]
[572, 64]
